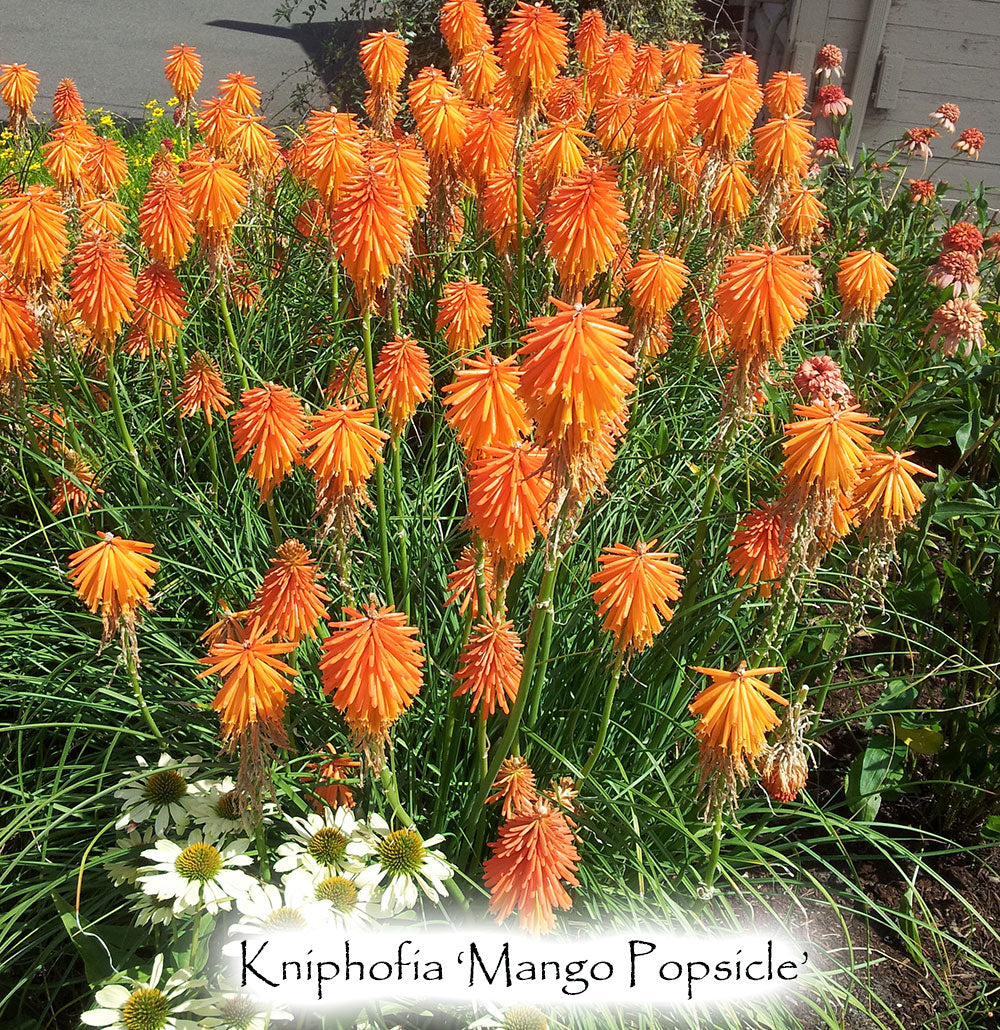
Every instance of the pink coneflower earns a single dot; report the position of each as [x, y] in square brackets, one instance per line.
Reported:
[957, 327]
[956, 270]
[820, 376]
[922, 191]
[826, 147]
[970, 141]
[917, 141]
[963, 236]
[830, 102]
[946, 116]
[829, 61]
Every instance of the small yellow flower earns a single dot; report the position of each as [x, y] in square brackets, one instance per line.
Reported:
[106, 120]
[34, 167]
[173, 102]
[157, 113]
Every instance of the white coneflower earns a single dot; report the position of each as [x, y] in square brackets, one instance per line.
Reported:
[124, 868]
[324, 843]
[265, 909]
[405, 860]
[342, 902]
[197, 874]
[146, 1006]
[520, 1017]
[227, 1010]
[149, 911]
[163, 796]
[217, 808]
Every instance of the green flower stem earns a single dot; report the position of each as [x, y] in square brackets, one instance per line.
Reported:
[213, 460]
[482, 746]
[272, 516]
[540, 667]
[196, 925]
[172, 372]
[392, 794]
[713, 858]
[116, 407]
[133, 675]
[451, 739]
[383, 529]
[228, 323]
[602, 733]
[397, 484]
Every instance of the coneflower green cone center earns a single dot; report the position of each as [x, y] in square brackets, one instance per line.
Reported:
[146, 1009]
[524, 1019]
[285, 918]
[401, 851]
[200, 862]
[328, 846]
[341, 893]
[238, 1013]
[165, 787]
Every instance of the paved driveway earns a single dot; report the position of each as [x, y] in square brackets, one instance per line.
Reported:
[114, 49]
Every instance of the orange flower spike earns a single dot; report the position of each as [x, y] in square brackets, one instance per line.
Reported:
[634, 586]
[615, 121]
[202, 389]
[464, 27]
[590, 36]
[240, 92]
[732, 194]
[734, 716]
[33, 234]
[103, 215]
[499, 206]
[254, 147]
[885, 496]
[255, 681]
[63, 157]
[758, 551]
[344, 445]
[762, 293]
[328, 785]
[465, 312]
[781, 149]
[489, 667]
[613, 66]
[480, 73]
[18, 89]
[483, 406]
[75, 490]
[664, 124]
[576, 372]
[647, 71]
[827, 447]
[67, 105]
[289, 602]
[218, 123]
[370, 230]
[405, 163]
[442, 126]
[533, 857]
[383, 60]
[507, 491]
[726, 107]
[271, 422]
[402, 379]
[559, 151]
[429, 85]
[864, 277]
[800, 216]
[160, 307]
[532, 48]
[515, 787]
[682, 62]
[104, 166]
[785, 94]
[488, 145]
[372, 665]
[656, 282]
[183, 69]
[216, 195]
[102, 287]
[113, 577]
[165, 225]
[565, 100]
[584, 224]
[462, 585]
[19, 337]
[331, 153]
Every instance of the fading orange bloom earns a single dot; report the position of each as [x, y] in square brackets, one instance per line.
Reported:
[532, 49]
[584, 224]
[533, 857]
[507, 494]
[566, 100]
[160, 307]
[615, 121]
[464, 27]
[114, 577]
[885, 497]
[726, 108]
[785, 94]
[499, 207]
[762, 294]
[102, 287]
[576, 372]
[634, 585]
[33, 234]
[483, 406]
[240, 92]
[369, 230]
[800, 216]
[515, 787]
[664, 123]
[682, 61]
[864, 277]
[730, 198]
[202, 389]
[19, 337]
[329, 775]
[254, 147]
[758, 551]
[18, 89]
[733, 713]
[165, 225]
[74, 490]
[344, 446]
[656, 282]
[464, 313]
[827, 447]
[489, 667]
[67, 105]
[372, 665]
[183, 69]
[590, 35]
[480, 73]
[402, 379]
[216, 195]
[271, 422]
[255, 683]
[104, 166]
[462, 581]
[289, 601]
